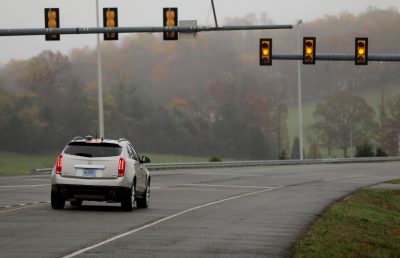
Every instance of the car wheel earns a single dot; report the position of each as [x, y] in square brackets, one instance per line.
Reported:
[128, 202]
[57, 201]
[77, 203]
[145, 200]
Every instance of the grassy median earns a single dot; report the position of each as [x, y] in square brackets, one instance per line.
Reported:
[366, 224]
[17, 164]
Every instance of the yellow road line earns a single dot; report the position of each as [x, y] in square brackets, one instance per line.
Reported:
[23, 207]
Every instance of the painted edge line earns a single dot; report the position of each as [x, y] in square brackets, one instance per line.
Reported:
[21, 206]
[162, 220]
[228, 186]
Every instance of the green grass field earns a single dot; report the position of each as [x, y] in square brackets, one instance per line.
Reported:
[15, 164]
[171, 158]
[367, 224]
[372, 97]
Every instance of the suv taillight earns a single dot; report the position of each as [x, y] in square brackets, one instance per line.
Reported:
[121, 167]
[59, 164]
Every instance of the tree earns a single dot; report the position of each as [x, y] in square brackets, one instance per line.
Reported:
[380, 153]
[364, 150]
[313, 152]
[390, 129]
[345, 119]
[295, 149]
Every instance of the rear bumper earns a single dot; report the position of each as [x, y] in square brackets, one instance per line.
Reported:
[90, 192]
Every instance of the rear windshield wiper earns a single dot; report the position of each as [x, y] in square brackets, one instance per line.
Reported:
[83, 154]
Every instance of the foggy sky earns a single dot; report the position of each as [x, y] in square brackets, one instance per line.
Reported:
[81, 13]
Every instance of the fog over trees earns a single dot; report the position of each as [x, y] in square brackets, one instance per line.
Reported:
[203, 96]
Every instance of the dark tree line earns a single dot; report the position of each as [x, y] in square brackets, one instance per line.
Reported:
[206, 96]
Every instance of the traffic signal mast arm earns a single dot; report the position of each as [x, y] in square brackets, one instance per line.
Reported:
[339, 57]
[95, 30]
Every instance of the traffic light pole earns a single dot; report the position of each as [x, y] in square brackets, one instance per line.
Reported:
[339, 57]
[299, 95]
[94, 30]
[99, 78]
[215, 14]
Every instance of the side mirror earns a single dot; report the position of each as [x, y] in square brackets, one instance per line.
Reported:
[145, 159]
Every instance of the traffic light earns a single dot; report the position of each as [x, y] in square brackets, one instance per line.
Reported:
[309, 50]
[265, 51]
[361, 56]
[170, 19]
[52, 21]
[110, 20]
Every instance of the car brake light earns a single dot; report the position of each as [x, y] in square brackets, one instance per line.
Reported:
[121, 167]
[59, 164]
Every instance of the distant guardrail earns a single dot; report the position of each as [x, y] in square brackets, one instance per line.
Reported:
[249, 163]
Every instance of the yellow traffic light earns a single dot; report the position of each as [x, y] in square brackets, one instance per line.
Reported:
[52, 21]
[110, 20]
[170, 19]
[361, 55]
[110, 17]
[265, 51]
[309, 50]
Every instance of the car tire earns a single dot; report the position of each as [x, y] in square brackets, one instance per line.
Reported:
[144, 202]
[128, 202]
[57, 201]
[77, 203]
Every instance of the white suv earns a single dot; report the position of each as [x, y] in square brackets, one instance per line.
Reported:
[100, 170]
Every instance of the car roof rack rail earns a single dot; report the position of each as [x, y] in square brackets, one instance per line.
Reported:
[122, 140]
[88, 137]
[77, 138]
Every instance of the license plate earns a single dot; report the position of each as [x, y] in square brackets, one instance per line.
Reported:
[89, 172]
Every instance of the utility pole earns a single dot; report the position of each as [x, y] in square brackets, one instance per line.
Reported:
[398, 140]
[99, 77]
[299, 94]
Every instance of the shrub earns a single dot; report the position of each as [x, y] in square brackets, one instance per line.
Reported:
[381, 153]
[214, 159]
[364, 150]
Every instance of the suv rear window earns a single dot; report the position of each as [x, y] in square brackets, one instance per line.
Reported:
[93, 149]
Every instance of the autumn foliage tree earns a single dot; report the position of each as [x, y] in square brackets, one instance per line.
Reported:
[344, 120]
[206, 96]
[390, 128]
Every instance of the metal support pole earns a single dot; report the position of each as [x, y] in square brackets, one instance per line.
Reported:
[351, 141]
[299, 95]
[215, 15]
[91, 30]
[398, 140]
[99, 77]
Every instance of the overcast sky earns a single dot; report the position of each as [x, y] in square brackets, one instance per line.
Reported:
[82, 13]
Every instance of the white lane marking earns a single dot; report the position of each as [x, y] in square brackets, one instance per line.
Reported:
[21, 177]
[231, 186]
[163, 220]
[36, 179]
[342, 177]
[163, 186]
[224, 174]
[209, 185]
[15, 187]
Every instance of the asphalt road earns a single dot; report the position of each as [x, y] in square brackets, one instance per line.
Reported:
[236, 212]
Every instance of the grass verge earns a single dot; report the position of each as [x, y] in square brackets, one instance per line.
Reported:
[16, 164]
[366, 224]
[394, 181]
